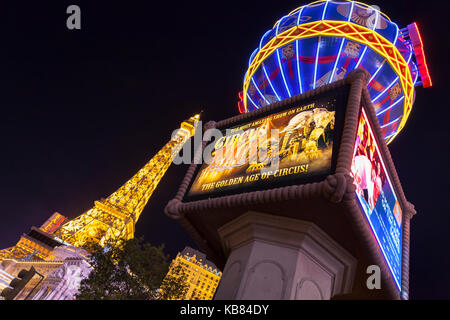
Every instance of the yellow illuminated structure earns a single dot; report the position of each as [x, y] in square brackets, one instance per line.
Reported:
[35, 245]
[202, 275]
[110, 219]
[115, 217]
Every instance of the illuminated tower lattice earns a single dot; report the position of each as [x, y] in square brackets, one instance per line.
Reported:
[113, 218]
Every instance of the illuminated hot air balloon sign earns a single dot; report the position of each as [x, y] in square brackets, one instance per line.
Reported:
[322, 42]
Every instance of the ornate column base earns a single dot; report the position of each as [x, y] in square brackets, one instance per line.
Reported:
[277, 258]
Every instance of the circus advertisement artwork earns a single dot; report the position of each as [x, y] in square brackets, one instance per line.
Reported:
[377, 196]
[291, 146]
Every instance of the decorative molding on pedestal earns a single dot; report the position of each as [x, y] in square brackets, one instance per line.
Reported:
[272, 257]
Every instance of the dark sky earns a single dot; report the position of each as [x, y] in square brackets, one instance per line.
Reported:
[82, 111]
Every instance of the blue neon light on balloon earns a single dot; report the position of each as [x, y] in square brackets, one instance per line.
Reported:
[342, 44]
[279, 62]
[391, 106]
[297, 54]
[392, 122]
[290, 71]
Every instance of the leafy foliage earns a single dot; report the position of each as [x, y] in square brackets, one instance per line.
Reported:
[131, 270]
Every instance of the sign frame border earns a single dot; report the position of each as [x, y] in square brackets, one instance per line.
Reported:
[337, 188]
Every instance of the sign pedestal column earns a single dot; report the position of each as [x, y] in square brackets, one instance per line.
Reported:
[273, 257]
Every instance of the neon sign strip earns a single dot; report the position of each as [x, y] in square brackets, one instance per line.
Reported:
[372, 228]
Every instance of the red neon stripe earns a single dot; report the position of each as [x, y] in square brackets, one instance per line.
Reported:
[416, 40]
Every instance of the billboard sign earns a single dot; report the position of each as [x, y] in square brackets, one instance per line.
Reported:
[377, 196]
[294, 145]
[53, 223]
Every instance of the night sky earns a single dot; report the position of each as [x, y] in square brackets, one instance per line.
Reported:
[82, 111]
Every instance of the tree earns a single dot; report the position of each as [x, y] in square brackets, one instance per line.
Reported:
[174, 285]
[131, 270]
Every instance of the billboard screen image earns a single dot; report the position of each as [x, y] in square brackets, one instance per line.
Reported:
[377, 196]
[291, 146]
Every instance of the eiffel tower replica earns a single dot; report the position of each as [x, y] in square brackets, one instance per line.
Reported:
[110, 219]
